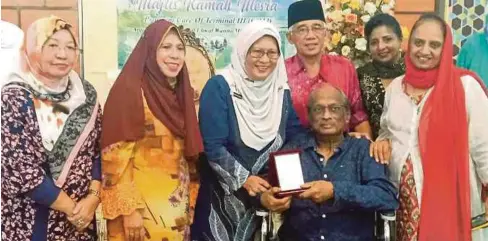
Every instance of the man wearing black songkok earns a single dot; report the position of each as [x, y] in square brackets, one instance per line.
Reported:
[310, 66]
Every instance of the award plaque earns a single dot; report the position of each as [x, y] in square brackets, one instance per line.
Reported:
[285, 172]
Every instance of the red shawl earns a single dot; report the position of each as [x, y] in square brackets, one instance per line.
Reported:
[444, 149]
[123, 118]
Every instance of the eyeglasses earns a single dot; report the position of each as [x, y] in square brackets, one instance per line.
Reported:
[259, 53]
[334, 110]
[304, 30]
[55, 48]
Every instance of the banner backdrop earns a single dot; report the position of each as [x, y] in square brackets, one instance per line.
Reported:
[211, 24]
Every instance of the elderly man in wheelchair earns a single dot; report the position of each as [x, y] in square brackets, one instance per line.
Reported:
[346, 195]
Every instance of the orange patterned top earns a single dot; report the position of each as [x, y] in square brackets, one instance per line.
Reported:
[153, 176]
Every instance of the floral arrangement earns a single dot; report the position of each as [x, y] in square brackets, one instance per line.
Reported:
[346, 20]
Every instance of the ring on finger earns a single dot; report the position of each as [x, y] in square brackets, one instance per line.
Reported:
[79, 222]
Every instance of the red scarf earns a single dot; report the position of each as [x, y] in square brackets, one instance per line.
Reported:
[444, 149]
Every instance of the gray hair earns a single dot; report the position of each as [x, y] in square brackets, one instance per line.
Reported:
[290, 29]
[344, 101]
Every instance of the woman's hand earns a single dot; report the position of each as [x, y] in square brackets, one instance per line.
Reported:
[380, 150]
[84, 212]
[269, 201]
[134, 226]
[360, 135]
[255, 185]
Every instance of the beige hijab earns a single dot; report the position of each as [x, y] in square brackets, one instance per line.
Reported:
[68, 93]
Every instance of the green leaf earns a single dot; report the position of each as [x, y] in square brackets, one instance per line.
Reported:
[223, 59]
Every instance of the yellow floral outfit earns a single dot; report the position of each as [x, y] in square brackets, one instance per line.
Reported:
[152, 175]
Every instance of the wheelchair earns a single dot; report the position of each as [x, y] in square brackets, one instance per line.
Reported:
[384, 228]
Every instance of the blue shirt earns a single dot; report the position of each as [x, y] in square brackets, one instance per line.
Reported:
[361, 188]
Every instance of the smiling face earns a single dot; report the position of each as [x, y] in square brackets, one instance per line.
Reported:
[384, 45]
[261, 58]
[308, 37]
[171, 54]
[58, 55]
[426, 44]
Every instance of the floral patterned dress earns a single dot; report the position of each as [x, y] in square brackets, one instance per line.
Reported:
[26, 168]
[372, 88]
[153, 176]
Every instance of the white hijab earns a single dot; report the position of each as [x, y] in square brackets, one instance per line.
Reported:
[11, 39]
[258, 104]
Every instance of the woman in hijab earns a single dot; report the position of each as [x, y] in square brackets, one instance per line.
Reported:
[474, 53]
[51, 125]
[384, 37]
[151, 142]
[435, 117]
[245, 114]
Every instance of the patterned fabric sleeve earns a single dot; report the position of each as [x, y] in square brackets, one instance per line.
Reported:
[46, 193]
[21, 152]
[119, 195]
[214, 126]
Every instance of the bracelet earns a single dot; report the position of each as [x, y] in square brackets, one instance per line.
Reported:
[94, 192]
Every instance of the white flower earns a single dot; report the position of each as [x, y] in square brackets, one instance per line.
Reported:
[336, 16]
[365, 18]
[361, 44]
[392, 3]
[333, 53]
[343, 39]
[329, 26]
[385, 8]
[327, 6]
[347, 11]
[346, 50]
[370, 8]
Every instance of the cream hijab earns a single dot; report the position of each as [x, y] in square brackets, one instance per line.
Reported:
[51, 123]
[258, 104]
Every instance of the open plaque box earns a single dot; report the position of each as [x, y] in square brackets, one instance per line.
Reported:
[285, 171]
